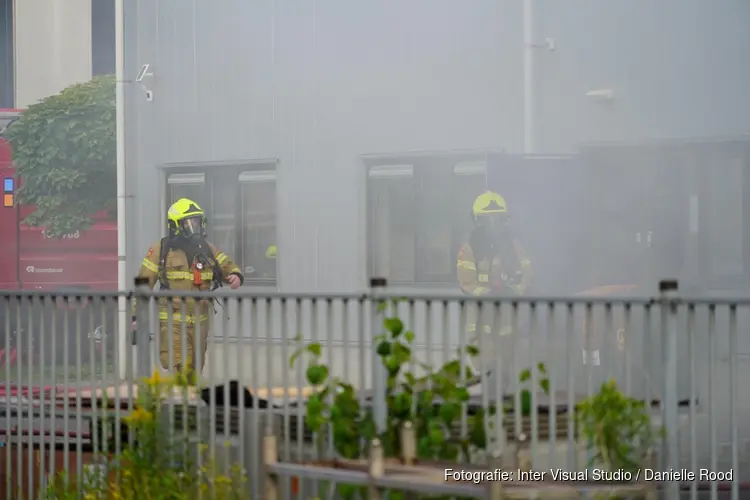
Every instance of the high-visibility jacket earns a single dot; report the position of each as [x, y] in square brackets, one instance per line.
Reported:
[182, 275]
[491, 276]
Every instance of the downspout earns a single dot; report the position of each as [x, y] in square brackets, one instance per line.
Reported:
[529, 141]
[122, 278]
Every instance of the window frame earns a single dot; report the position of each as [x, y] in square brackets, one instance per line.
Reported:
[214, 171]
[421, 163]
[708, 152]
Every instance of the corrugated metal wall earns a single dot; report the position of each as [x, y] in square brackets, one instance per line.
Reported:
[316, 84]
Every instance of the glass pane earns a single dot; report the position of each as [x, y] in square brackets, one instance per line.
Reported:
[467, 188]
[222, 230]
[726, 182]
[436, 210]
[259, 229]
[446, 196]
[391, 209]
[195, 192]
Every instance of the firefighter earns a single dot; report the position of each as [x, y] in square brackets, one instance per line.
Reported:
[185, 261]
[491, 262]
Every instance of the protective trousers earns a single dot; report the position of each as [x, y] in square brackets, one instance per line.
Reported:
[491, 331]
[185, 346]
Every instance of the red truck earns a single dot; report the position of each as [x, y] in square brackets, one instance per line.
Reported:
[31, 260]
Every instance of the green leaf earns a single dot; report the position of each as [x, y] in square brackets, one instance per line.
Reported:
[317, 374]
[525, 375]
[394, 325]
[393, 365]
[315, 349]
[449, 412]
[293, 358]
[384, 348]
[544, 384]
[462, 394]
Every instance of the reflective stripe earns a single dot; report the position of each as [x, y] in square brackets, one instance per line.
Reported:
[480, 290]
[237, 270]
[472, 328]
[483, 278]
[221, 257]
[504, 330]
[150, 266]
[525, 262]
[178, 318]
[467, 264]
[185, 275]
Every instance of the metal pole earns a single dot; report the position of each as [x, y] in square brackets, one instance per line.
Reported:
[529, 141]
[142, 334]
[123, 313]
[667, 292]
[379, 376]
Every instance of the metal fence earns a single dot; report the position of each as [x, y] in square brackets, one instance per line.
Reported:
[683, 357]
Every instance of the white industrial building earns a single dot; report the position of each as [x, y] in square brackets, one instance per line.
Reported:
[312, 94]
[272, 113]
[354, 134]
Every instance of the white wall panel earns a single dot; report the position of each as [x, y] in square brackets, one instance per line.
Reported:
[53, 47]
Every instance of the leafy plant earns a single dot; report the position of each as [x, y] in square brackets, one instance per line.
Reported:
[432, 402]
[64, 149]
[616, 427]
[156, 463]
[524, 378]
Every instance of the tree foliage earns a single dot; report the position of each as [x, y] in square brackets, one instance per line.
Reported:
[64, 149]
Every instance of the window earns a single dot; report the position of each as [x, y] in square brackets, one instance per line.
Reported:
[419, 212]
[240, 206]
[102, 37]
[637, 213]
[723, 203]
[258, 214]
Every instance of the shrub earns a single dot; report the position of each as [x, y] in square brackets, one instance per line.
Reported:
[154, 463]
[64, 148]
[617, 429]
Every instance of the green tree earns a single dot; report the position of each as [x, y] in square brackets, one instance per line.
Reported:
[64, 149]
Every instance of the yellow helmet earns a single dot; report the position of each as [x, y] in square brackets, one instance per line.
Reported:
[489, 203]
[185, 217]
[271, 252]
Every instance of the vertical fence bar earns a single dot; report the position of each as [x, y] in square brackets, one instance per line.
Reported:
[571, 455]
[29, 383]
[733, 396]
[712, 392]
[693, 399]
[8, 409]
[142, 333]
[532, 334]
[550, 337]
[79, 377]
[380, 411]
[668, 313]
[41, 461]
[627, 339]
[66, 388]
